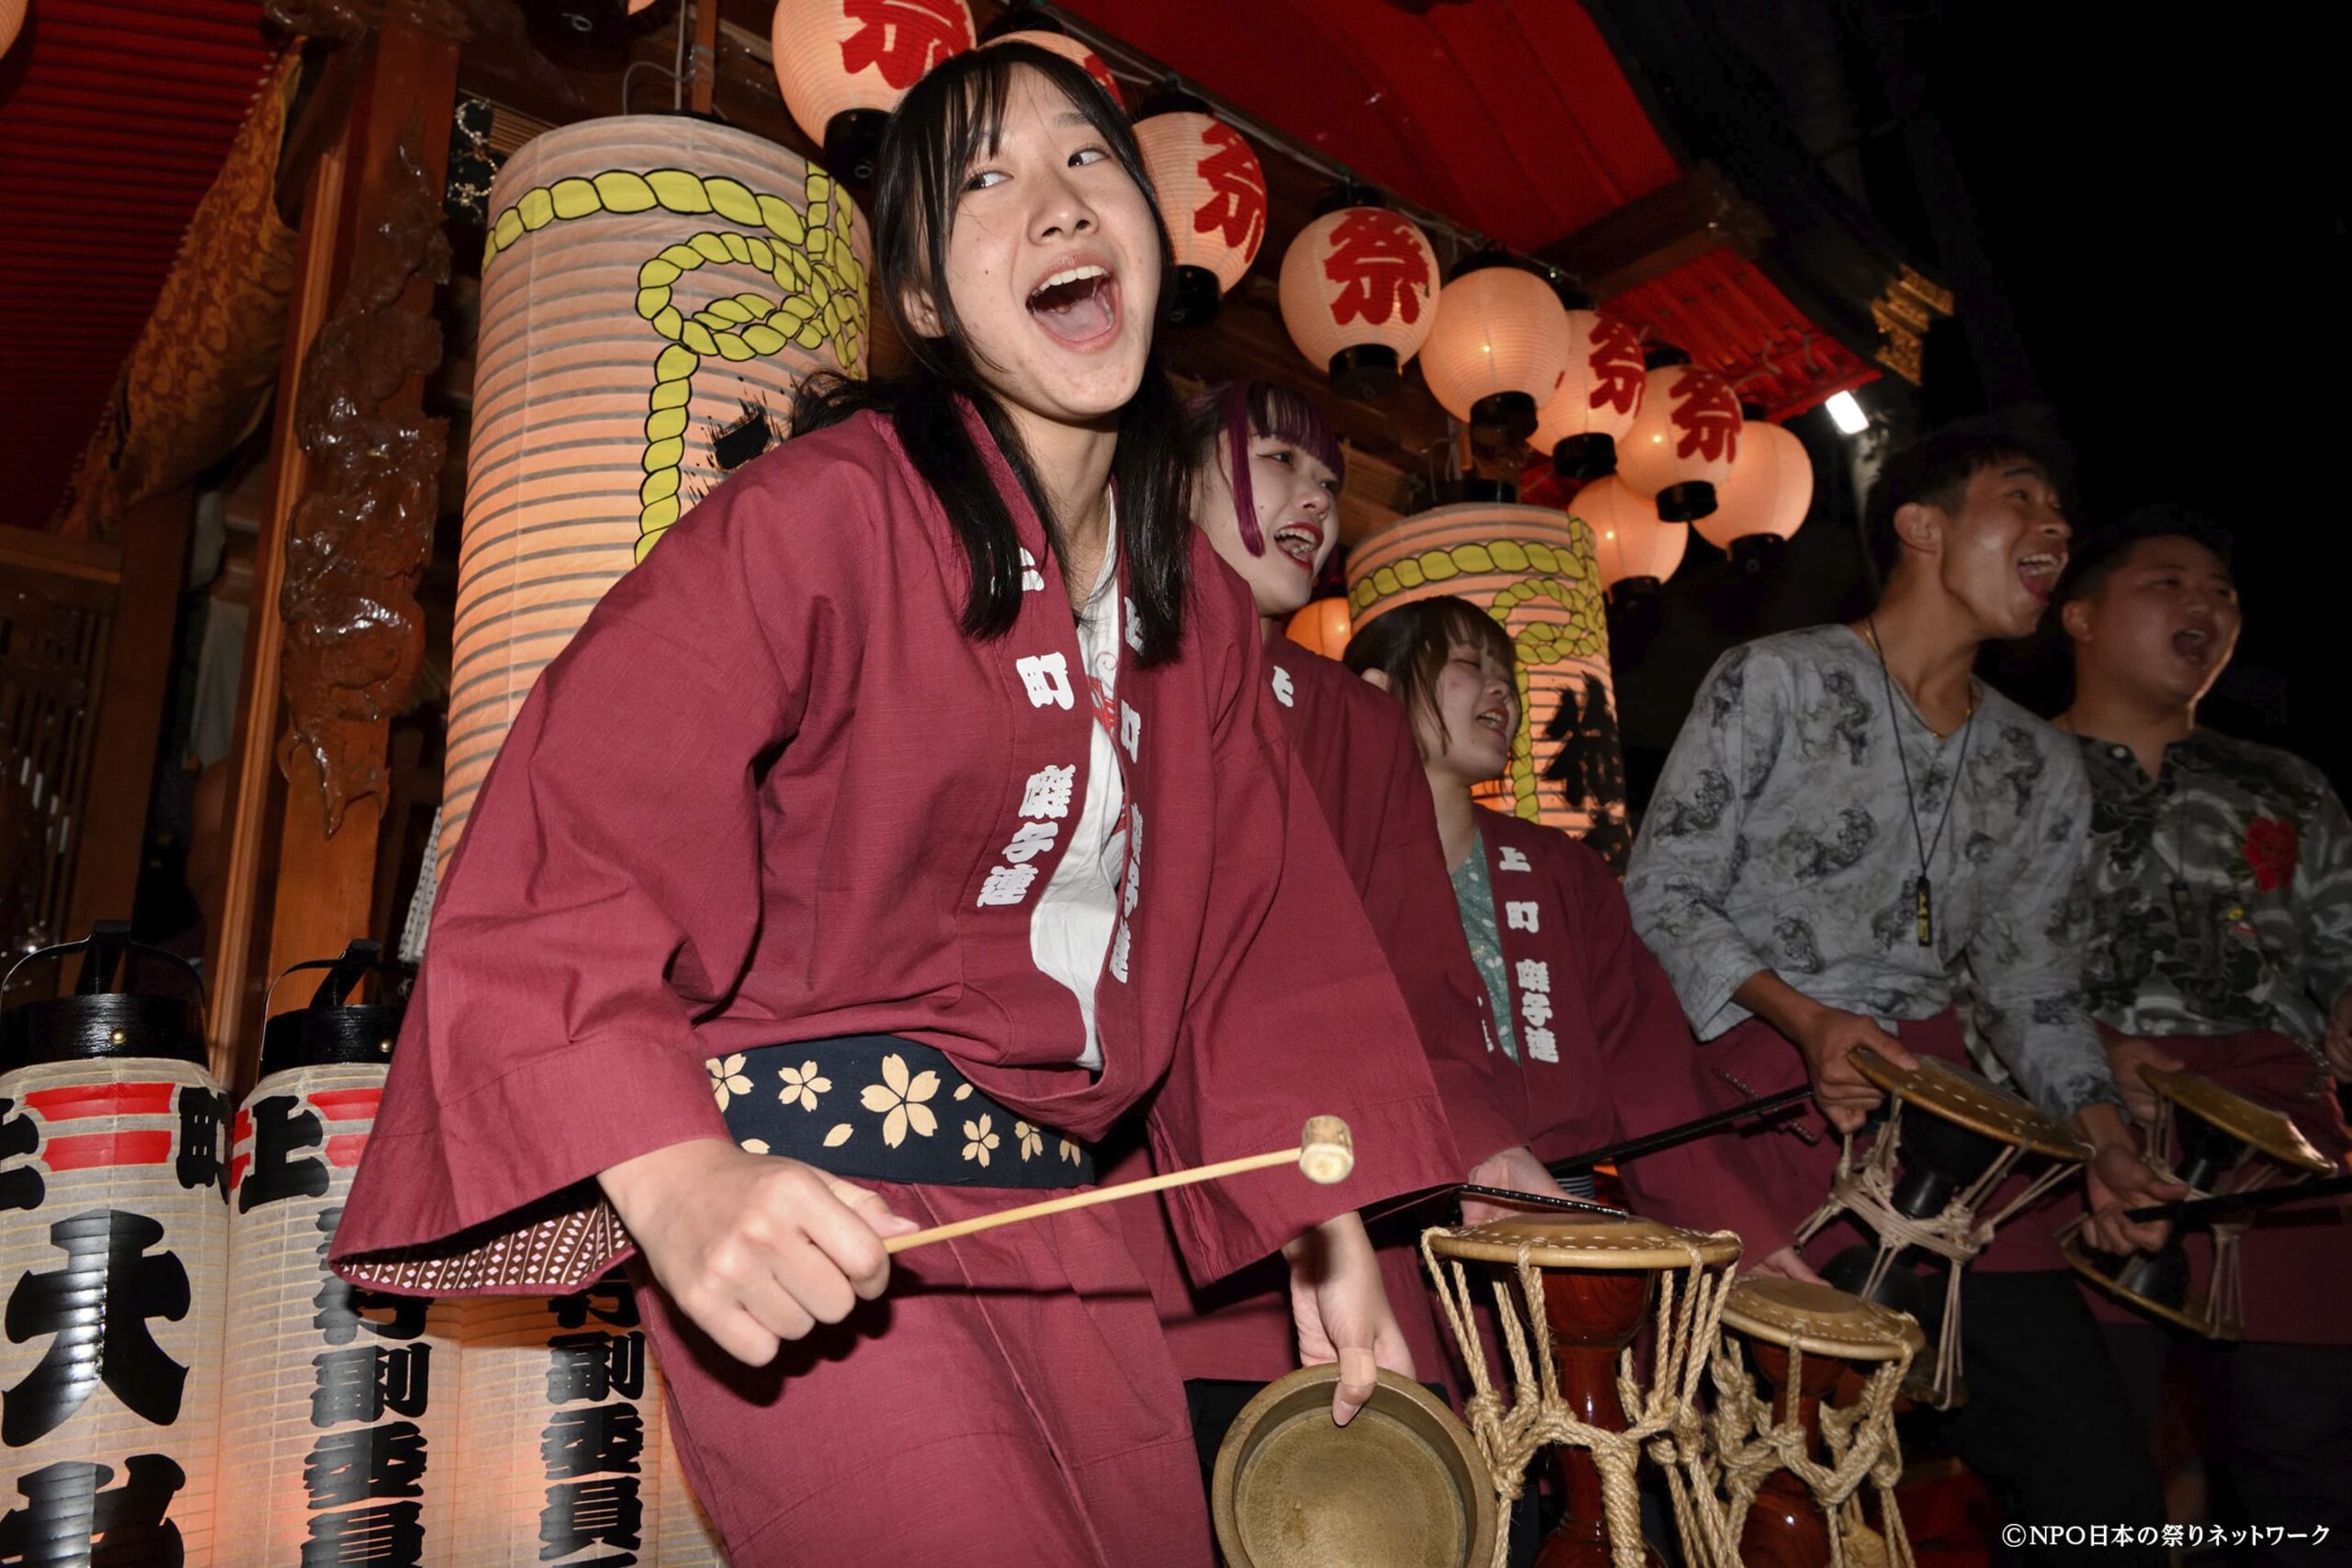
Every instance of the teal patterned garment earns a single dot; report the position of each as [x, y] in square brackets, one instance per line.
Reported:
[1473, 895]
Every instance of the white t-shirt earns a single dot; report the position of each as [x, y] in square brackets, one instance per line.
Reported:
[1072, 923]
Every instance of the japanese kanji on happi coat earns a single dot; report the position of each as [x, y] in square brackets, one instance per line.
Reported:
[113, 1242]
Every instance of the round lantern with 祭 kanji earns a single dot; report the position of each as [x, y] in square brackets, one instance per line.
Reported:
[844, 64]
[1598, 395]
[1359, 293]
[1211, 198]
[1685, 439]
[113, 1232]
[1024, 25]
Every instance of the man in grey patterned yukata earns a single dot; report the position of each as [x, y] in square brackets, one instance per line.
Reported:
[2221, 888]
[1839, 845]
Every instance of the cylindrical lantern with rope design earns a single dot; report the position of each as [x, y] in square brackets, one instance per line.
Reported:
[654, 291]
[1531, 568]
[113, 1157]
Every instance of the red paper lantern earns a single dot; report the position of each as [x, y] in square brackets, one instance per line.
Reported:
[1499, 346]
[1598, 398]
[1358, 294]
[1766, 498]
[1212, 197]
[1684, 440]
[1047, 33]
[844, 64]
[1636, 550]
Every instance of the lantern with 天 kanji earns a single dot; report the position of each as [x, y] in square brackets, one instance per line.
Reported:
[1531, 568]
[1764, 501]
[654, 291]
[1637, 549]
[844, 64]
[1597, 397]
[113, 1160]
[1683, 441]
[1025, 24]
[1359, 293]
[559, 1431]
[1212, 197]
[339, 1409]
[1499, 344]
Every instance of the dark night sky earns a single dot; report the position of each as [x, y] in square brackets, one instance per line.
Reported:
[2164, 209]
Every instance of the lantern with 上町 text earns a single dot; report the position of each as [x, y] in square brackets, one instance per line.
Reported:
[1025, 24]
[844, 64]
[1358, 294]
[113, 1158]
[1765, 499]
[1211, 198]
[654, 291]
[1499, 346]
[1684, 440]
[1636, 550]
[1531, 568]
[559, 1431]
[1593, 405]
[339, 1406]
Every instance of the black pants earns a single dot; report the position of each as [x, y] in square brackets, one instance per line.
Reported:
[2049, 1425]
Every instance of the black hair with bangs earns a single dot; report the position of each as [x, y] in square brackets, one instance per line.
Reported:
[1239, 410]
[1411, 643]
[947, 122]
[1936, 468]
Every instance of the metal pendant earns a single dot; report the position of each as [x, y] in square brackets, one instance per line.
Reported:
[1925, 909]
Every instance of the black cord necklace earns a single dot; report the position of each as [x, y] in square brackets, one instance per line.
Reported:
[1923, 895]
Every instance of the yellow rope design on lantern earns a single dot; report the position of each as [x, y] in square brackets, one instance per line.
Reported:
[1663, 1417]
[1549, 573]
[807, 250]
[1749, 1445]
[1866, 1188]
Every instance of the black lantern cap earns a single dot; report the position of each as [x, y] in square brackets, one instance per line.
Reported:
[1483, 490]
[1662, 356]
[1366, 372]
[1629, 595]
[1173, 100]
[1193, 297]
[1511, 416]
[103, 1018]
[1586, 457]
[329, 1029]
[853, 143]
[1341, 196]
[1754, 554]
[1686, 502]
[1486, 256]
[1021, 19]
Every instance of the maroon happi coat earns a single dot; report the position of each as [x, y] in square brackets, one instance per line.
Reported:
[765, 796]
[1619, 1060]
[1357, 748]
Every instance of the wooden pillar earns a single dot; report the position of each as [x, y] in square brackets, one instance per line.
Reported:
[323, 676]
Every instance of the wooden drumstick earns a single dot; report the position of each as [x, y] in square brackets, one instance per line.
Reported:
[1326, 1154]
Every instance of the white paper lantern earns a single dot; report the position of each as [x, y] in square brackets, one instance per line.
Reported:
[114, 1257]
[559, 1431]
[844, 64]
[1037, 27]
[1766, 497]
[1212, 197]
[1359, 294]
[1636, 550]
[1499, 344]
[655, 292]
[1598, 396]
[1685, 439]
[12, 18]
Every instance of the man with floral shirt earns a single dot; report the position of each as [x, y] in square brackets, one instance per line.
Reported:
[1850, 830]
[2221, 887]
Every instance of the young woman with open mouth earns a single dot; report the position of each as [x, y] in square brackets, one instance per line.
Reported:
[915, 809]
